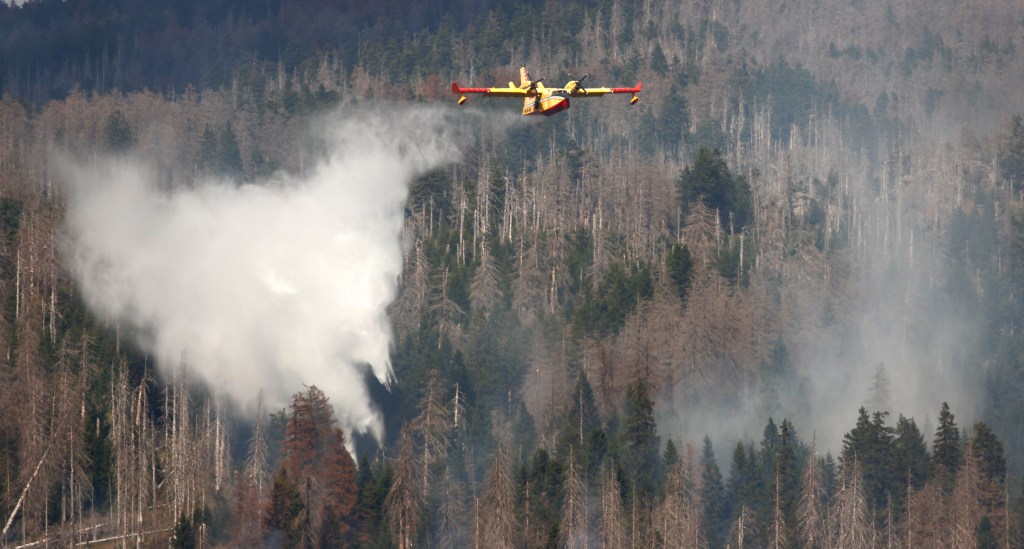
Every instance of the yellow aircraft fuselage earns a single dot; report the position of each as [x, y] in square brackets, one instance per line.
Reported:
[546, 102]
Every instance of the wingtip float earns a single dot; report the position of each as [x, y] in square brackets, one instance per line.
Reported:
[539, 99]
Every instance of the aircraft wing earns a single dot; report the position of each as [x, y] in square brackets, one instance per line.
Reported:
[497, 92]
[585, 92]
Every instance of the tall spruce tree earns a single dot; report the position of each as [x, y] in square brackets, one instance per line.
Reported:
[679, 263]
[947, 451]
[640, 440]
[582, 429]
[910, 453]
[787, 474]
[714, 512]
[746, 489]
[880, 395]
[282, 511]
[870, 444]
[988, 451]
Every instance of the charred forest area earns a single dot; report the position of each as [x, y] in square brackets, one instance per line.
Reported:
[777, 303]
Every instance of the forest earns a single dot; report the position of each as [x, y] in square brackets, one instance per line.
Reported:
[777, 303]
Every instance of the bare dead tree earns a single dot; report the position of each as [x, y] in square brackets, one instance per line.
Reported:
[449, 520]
[403, 502]
[677, 517]
[964, 507]
[925, 516]
[483, 288]
[852, 528]
[573, 529]
[256, 467]
[810, 512]
[612, 528]
[743, 528]
[73, 461]
[433, 427]
[777, 535]
[498, 523]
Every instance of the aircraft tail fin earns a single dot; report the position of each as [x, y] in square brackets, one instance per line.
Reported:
[524, 77]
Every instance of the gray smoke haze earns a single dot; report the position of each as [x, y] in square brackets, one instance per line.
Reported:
[265, 286]
[885, 298]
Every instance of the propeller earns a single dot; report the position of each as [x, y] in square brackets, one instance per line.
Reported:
[578, 88]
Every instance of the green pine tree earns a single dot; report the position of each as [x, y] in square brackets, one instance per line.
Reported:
[869, 444]
[985, 535]
[671, 455]
[117, 133]
[679, 262]
[714, 512]
[910, 453]
[787, 469]
[708, 178]
[283, 510]
[184, 534]
[988, 451]
[947, 452]
[640, 440]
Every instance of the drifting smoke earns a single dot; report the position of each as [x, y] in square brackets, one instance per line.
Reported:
[266, 286]
[886, 302]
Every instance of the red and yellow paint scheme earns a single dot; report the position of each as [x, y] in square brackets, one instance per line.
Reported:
[539, 99]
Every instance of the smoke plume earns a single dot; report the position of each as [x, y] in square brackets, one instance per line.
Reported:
[269, 285]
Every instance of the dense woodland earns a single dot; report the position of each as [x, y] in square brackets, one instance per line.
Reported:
[778, 303]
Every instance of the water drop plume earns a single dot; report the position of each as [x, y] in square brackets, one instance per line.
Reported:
[274, 284]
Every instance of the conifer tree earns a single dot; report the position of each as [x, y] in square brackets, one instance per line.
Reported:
[498, 522]
[985, 537]
[746, 490]
[433, 427]
[679, 263]
[708, 178]
[324, 472]
[677, 519]
[811, 525]
[640, 441]
[988, 451]
[451, 513]
[583, 430]
[947, 453]
[965, 511]
[714, 512]
[869, 443]
[573, 527]
[880, 395]
[404, 503]
[910, 454]
[284, 505]
[778, 535]
[670, 456]
[851, 528]
[787, 480]
[612, 528]
[117, 133]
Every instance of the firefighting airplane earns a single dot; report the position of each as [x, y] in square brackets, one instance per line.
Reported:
[538, 99]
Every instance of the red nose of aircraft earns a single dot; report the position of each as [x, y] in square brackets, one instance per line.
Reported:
[556, 105]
